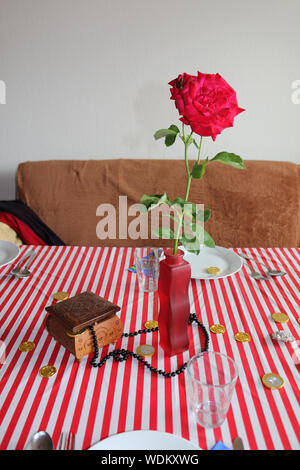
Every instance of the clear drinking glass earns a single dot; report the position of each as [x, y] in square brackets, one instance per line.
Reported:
[211, 381]
[147, 268]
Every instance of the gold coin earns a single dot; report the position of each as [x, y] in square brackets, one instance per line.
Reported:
[272, 381]
[242, 336]
[73, 335]
[26, 346]
[151, 324]
[279, 317]
[61, 296]
[145, 350]
[47, 371]
[217, 329]
[298, 320]
[213, 270]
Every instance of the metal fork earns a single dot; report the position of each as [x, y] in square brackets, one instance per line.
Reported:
[256, 275]
[271, 272]
[66, 441]
[24, 272]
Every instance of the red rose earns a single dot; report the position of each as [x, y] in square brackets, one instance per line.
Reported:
[206, 103]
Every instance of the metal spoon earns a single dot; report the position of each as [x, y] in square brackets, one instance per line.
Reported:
[271, 272]
[257, 276]
[40, 441]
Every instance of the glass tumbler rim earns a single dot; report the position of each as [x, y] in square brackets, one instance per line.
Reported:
[148, 247]
[204, 353]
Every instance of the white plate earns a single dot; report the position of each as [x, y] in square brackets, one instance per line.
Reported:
[8, 252]
[227, 261]
[144, 440]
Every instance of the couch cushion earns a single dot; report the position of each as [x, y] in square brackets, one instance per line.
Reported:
[28, 226]
[257, 207]
[8, 234]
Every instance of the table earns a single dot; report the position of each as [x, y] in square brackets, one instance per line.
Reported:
[96, 403]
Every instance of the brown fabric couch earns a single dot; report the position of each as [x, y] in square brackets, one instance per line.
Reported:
[257, 207]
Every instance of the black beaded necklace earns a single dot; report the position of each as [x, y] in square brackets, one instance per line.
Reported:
[121, 355]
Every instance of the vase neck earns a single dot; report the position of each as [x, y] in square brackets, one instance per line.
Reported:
[172, 259]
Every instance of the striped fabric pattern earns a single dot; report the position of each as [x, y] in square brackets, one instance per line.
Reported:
[96, 403]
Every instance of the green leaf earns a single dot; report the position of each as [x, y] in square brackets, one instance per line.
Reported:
[204, 216]
[208, 240]
[163, 232]
[164, 199]
[170, 139]
[190, 209]
[148, 200]
[154, 200]
[199, 169]
[207, 214]
[190, 231]
[180, 201]
[230, 159]
[173, 130]
[191, 245]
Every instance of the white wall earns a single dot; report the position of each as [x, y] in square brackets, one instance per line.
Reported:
[89, 78]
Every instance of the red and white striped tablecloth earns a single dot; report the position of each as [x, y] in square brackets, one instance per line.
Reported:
[96, 403]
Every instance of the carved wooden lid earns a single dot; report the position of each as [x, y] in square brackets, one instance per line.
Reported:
[82, 310]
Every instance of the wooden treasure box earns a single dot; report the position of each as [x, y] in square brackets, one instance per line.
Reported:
[69, 320]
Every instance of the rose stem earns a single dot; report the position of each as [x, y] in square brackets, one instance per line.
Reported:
[199, 152]
[188, 184]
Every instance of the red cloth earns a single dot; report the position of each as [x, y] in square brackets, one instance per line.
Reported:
[27, 235]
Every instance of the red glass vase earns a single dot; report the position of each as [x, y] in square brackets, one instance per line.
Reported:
[173, 290]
